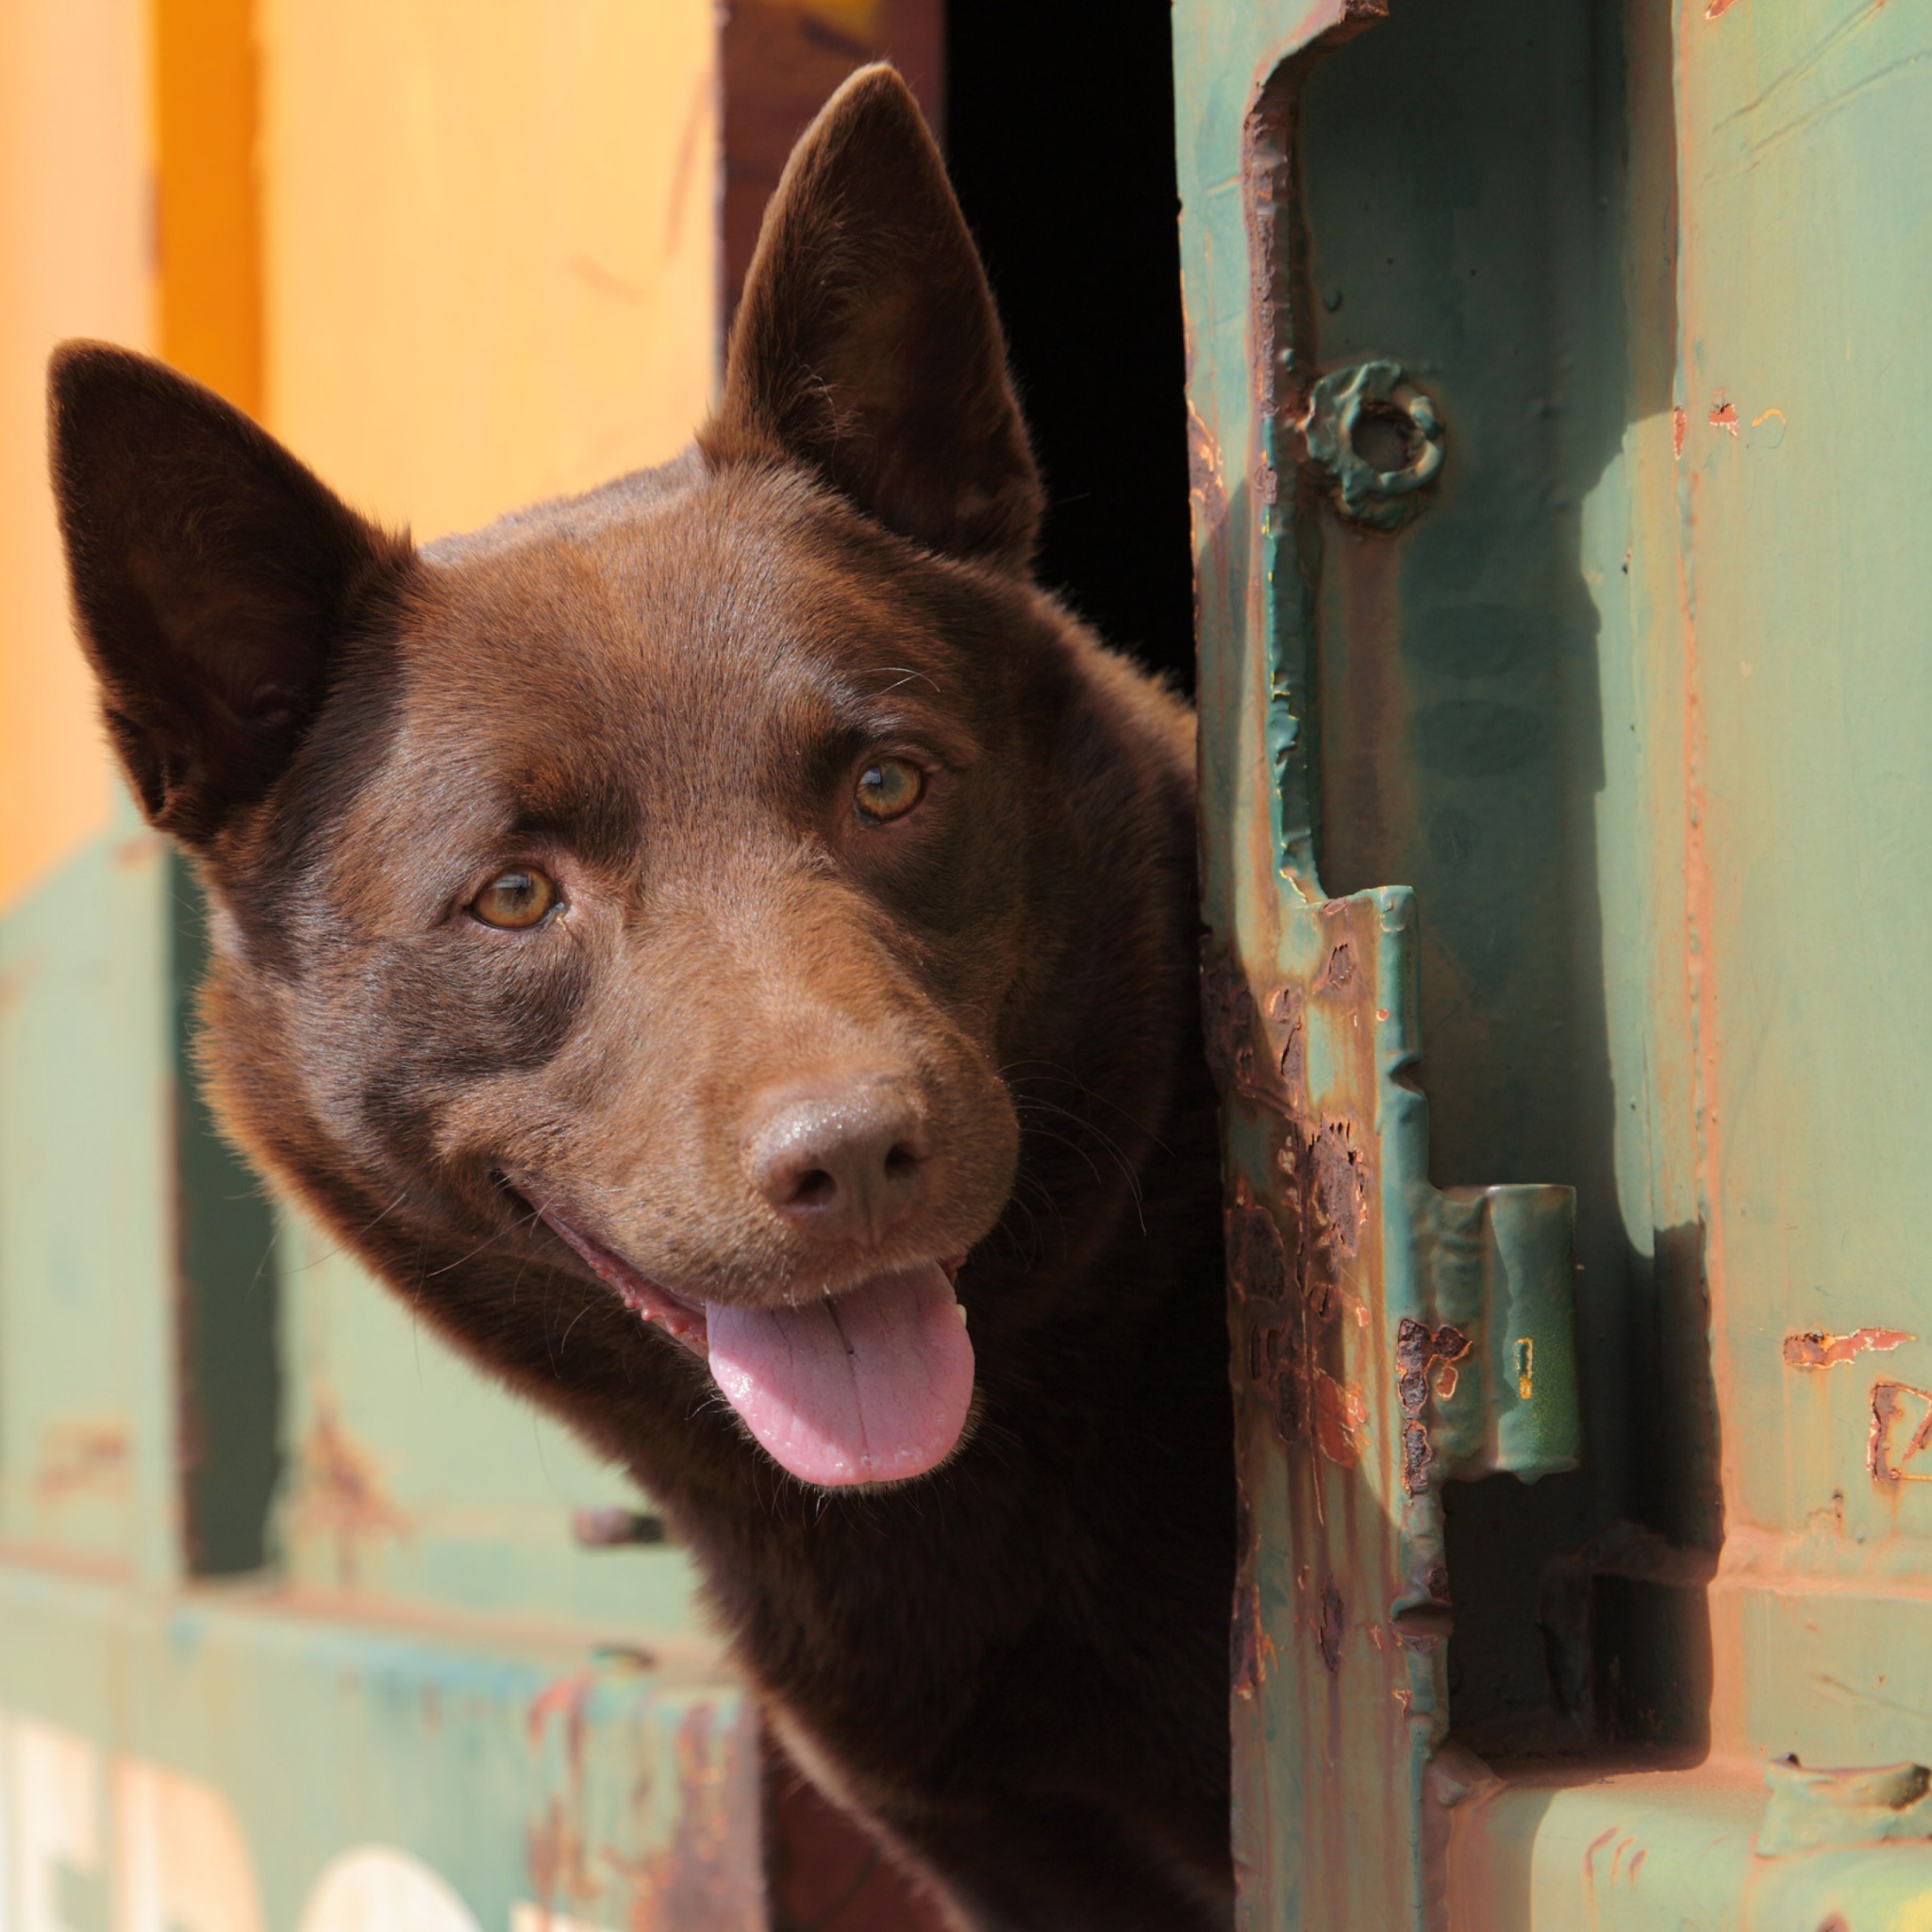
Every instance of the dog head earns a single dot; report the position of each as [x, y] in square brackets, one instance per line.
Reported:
[649, 894]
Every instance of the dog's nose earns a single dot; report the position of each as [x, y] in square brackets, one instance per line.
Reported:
[840, 1162]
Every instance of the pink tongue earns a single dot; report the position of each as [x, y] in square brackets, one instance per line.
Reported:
[871, 1387]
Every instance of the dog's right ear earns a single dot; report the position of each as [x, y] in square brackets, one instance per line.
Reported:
[213, 576]
[867, 347]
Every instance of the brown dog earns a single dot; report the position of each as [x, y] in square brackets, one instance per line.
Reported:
[683, 937]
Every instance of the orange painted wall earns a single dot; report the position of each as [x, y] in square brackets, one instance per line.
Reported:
[74, 260]
[490, 270]
[460, 254]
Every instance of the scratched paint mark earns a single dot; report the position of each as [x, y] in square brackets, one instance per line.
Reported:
[1678, 435]
[1340, 1414]
[1589, 1851]
[82, 1457]
[1525, 1367]
[1332, 1629]
[1899, 1409]
[594, 274]
[339, 1494]
[1718, 8]
[1814, 1349]
[1724, 416]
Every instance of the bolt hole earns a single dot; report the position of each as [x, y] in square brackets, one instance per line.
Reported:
[1385, 438]
[1425, 1623]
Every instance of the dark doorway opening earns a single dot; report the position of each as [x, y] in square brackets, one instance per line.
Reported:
[1060, 137]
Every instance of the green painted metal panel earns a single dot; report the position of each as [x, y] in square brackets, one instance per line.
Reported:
[415, 1479]
[87, 1424]
[216, 1764]
[1613, 650]
[1799, 641]
[421, 1701]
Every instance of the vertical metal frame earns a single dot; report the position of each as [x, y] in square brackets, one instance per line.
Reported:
[1385, 1335]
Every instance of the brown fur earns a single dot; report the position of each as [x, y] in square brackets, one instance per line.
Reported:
[1014, 1667]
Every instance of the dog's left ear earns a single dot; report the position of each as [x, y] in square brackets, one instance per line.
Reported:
[867, 347]
[213, 580]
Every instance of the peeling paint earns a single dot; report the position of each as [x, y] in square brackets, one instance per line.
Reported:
[340, 1495]
[1901, 1431]
[1814, 1349]
[82, 1457]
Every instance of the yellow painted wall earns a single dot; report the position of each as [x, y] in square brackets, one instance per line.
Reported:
[74, 260]
[490, 270]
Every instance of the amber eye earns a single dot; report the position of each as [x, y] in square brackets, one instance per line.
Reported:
[889, 789]
[516, 899]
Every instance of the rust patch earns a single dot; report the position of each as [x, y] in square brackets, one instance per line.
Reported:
[339, 1494]
[1338, 1186]
[1339, 1415]
[556, 1854]
[1257, 1260]
[1815, 1349]
[1206, 485]
[1271, 1354]
[1428, 1616]
[1722, 415]
[1414, 1349]
[1341, 968]
[79, 1457]
[1252, 1655]
[703, 1877]
[1901, 1430]
[1287, 1010]
[1418, 1458]
[1422, 1355]
[1227, 1014]
[1329, 1633]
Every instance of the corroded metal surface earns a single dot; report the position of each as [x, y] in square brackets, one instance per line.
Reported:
[1385, 1335]
[1627, 687]
[232, 1767]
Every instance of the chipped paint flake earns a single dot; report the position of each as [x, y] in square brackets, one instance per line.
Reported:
[1901, 1433]
[1812, 1348]
[1339, 1415]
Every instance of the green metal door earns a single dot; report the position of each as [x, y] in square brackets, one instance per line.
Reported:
[303, 1625]
[1555, 375]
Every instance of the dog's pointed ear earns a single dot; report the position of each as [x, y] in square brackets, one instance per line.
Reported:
[867, 347]
[212, 575]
